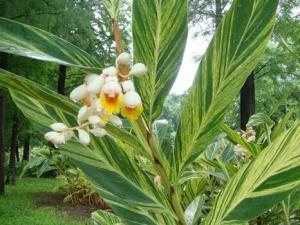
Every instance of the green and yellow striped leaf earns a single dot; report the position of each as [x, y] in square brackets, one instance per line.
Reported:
[113, 172]
[261, 184]
[234, 51]
[101, 217]
[24, 40]
[159, 36]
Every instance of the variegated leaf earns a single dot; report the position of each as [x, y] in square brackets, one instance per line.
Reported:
[264, 182]
[20, 39]
[234, 51]
[159, 36]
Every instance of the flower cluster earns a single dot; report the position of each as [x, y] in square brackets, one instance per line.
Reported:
[103, 98]
[249, 135]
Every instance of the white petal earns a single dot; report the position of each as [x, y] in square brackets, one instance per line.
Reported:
[115, 120]
[132, 99]
[58, 127]
[78, 93]
[90, 78]
[94, 120]
[138, 69]
[83, 114]
[99, 132]
[112, 88]
[111, 71]
[51, 135]
[84, 137]
[128, 85]
[124, 58]
[59, 140]
[110, 78]
[95, 86]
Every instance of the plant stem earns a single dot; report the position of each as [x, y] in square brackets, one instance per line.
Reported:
[286, 213]
[148, 135]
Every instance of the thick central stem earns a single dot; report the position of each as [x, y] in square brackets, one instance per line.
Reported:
[148, 135]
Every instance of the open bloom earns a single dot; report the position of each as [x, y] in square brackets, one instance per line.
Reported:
[132, 107]
[112, 97]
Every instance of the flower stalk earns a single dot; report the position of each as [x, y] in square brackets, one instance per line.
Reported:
[149, 136]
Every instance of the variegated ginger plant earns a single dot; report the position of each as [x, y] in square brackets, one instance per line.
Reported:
[128, 167]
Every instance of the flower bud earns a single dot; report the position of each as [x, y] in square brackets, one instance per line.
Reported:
[90, 78]
[127, 85]
[83, 114]
[111, 71]
[138, 69]
[115, 120]
[58, 127]
[84, 137]
[95, 120]
[111, 88]
[55, 137]
[99, 132]
[94, 87]
[132, 99]
[79, 93]
[110, 79]
[124, 58]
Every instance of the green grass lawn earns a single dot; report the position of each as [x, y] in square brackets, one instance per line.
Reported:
[33, 202]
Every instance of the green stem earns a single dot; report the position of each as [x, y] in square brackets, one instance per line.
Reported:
[286, 213]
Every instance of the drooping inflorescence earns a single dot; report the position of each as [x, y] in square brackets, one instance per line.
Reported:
[104, 97]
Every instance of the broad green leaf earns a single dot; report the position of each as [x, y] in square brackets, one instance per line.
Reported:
[159, 36]
[113, 172]
[24, 40]
[262, 183]
[233, 53]
[101, 217]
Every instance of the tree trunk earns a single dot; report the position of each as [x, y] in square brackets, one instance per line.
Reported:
[26, 150]
[3, 65]
[2, 151]
[17, 153]
[61, 79]
[218, 15]
[247, 101]
[11, 178]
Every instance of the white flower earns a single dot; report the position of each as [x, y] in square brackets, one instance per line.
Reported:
[138, 69]
[58, 127]
[111, 71]
[110, 78]
[95, 120]
[79, 93]
[239, 150]
[99, 132]
[115, 120]
[132, 99]
[127, 85]
[95, 85]
[55, 137]
[83, 114]
[90, 78]
[51, 135]
[111, 88]
[84, 137]
[124, 58]
[251, 139]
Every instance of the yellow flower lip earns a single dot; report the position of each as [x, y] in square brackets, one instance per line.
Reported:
[112, 103]
[132, 113]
